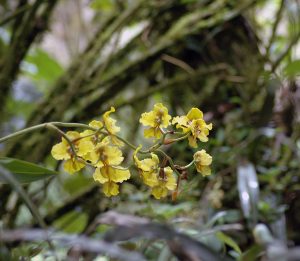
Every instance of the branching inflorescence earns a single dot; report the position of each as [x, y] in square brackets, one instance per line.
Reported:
[100, 146]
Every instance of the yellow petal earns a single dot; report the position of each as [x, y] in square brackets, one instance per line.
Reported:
[109, 122]
[84, 147]
[148, 119]
[199, 130]
[203, 158]
[87, 157]
[115, 175]
[113, 155]
[152, 132]
[110, 189]
[194, 114]
[204, 170]
[171, 183]
[100, 176]
[161, 113]
[202, 137]
[159, 117]
[166, 121]
[159, 192]
[135, 157]
[73, 135]
[105, 141]
[88, 133]
[192, 141]
[60, 151]
[106, 114]
[72, 165]
[94, 157]
[155, 158]
[150, 179]
[158, 107]
[148, 165]
[181, 122]
[209, 126]
[96, 124]
[116, 141]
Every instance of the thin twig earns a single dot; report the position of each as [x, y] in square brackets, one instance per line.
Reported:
[274, 29]
[15, 14]
[178, 63]
[277, 62]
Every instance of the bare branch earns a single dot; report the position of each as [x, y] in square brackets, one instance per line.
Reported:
[80, 243]
[129, 227]
[275, 26]
[285, 52]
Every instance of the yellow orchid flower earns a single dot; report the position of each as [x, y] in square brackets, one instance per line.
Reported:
[202, 162]
[63, 151]
[111, 127]
[93, 138]
[185, 121]
[148, 168]
[199, 130]
[156, 119]
[106, 159]
[193, 122]
[165, 184]
[109, 176]
[161, 180]
[105, 154]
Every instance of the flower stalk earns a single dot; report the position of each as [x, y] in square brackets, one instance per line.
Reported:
[99, 146]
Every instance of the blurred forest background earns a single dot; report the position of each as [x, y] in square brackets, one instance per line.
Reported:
[70, 60]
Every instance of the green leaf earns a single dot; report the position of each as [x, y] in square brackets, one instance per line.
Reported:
[101, 5]
[47, 67]
[252, 253]
[228, 241]
[72, 222]
[293, 68]
[24, 171]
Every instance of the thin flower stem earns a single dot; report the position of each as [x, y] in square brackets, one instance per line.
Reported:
[89, 135]
[45, 125]
[51, 126]
[154, 147]
[121, 139]
[186, 166]
[73, 125]
[176, 133]
[119, 168]
[170, 161]
[162, 131]
[182, 137]
[24, 131]
[151, 149]
[55, 125]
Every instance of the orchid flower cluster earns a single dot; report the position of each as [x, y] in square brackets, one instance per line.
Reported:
[99, 146]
